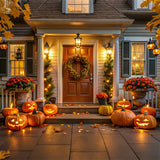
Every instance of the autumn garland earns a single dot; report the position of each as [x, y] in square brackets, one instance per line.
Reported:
[85, 67]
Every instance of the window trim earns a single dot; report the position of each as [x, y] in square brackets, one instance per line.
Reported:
[136, 8]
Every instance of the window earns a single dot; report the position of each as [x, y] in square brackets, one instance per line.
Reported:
[17, 59]
[137, 5]
[138, 58]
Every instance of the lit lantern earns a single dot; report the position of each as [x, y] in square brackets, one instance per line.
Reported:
[145, 121]
[46, 48]
[29, 106]
[3, 46]
[50, 109]
[78, 41]
[150, 110]
[16, 122]
[124, 103]
[156, 51]
[109, 49]
[150, 44]
[9, 111]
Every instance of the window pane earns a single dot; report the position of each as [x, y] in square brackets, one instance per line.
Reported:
[70, 8]
[70, 1]
[78, 8]
[85, 1]
[85, 8]
[78, 1]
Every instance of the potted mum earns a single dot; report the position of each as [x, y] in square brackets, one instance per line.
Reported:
[22, 86]
[102, 98]
[139, 87]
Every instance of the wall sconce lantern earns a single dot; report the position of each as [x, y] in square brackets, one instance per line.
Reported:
[46, 48]
[150, 44]
[109, 49]
[156, 51]
[3, 46]
[78, 41]
[18, 54]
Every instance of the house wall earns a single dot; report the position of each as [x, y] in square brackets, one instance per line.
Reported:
[54, 42]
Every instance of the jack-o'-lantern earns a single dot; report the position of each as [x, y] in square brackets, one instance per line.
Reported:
[16, 122]
[105, 110]
[145, 121]
[150, 110]
[50, 109]
[123, 117]
[36, 118]
[124, 103]
[29, 106]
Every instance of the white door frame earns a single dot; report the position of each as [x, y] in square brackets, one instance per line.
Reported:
[61, 43]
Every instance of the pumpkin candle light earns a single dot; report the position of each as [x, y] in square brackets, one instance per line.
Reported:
[124, 103]
[150, 110]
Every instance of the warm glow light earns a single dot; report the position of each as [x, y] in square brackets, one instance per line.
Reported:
[46, 89]
[12, 120]
[150, 45]
[9, 131]
[107, 81]
[49, 70]
[16, 122]
[78, 41]
[3, 46]
[109, 49]
[49, 85]
[20, 120]
[45, 79]
[134, 58]
[147, 105]
[11, 105]
[30, 128]
[23, 131]
[124, 99]
[22, 73]
[133, 97]
[156, 51]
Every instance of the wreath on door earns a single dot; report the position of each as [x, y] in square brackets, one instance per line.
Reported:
[85, 67]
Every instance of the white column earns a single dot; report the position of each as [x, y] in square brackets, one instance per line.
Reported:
[40, 69]
[115, 68]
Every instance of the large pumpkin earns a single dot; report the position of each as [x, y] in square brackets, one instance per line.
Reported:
[9, 111]
[145, 121]
[16, 122]
[105, 110]
[36, 118]
[50, 109]
[29, 106]
[150, 110]
[123, 117]
[124, 103]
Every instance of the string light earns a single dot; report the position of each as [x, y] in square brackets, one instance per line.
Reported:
[49, 85]
[46, 89]
[45, 79]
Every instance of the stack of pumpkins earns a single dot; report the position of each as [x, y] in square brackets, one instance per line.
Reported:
[16, 121]
[123, 116]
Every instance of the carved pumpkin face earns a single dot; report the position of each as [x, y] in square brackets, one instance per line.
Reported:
[145, 121]
[29, 106]
[50, 109]
[16, 122]
[125, 104]
[9, 111]
[150, 110]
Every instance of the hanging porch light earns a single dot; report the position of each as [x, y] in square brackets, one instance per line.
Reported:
[78, 41]
[46, 48]
[109, 49]
[156, 51]
[3, 46]
[150, 44]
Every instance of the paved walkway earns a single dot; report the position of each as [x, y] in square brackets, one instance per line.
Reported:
[81, 142]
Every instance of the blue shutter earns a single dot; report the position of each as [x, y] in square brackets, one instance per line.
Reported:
[152, 64]
[3, 62]
[126, 58]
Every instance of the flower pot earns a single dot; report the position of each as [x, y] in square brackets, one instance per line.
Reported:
[102, 101]
[139, 96]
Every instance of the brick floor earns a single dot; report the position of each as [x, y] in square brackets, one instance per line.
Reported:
[81, 142]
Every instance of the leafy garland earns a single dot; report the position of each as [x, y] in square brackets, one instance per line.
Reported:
[85, 67]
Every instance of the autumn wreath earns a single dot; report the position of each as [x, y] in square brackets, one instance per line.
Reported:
[85, 67]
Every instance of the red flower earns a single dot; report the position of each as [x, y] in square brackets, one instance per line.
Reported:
[20, 86]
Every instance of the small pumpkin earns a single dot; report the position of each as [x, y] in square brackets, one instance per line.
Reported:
[50, 109]
[105, 110]
[36, 118]
[145, 121]
[29, 106]
[123, 117]
[9, 111]
[16, 122]
[124, 103]
[150, 110]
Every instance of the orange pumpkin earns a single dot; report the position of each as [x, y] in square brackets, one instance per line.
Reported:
[145, 121]
[124, 103]
[29, 106]
[150, 110]
[16, 122]
[50, 109]
[36, 118]
[9, 111]
[123, 117]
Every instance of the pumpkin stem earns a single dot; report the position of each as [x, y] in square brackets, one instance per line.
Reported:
[34, 111]
[145, 113]
[17, 115]
[122, 108]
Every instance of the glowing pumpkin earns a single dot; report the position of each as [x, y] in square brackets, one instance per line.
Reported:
[105, 110]
[123, 117]
[150, 110]
[16, 122]
[145, 121]
[36, 118]
[50, 109]
[29, 106]
[9, 111]
[124, 103]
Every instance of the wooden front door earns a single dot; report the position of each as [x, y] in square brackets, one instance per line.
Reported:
[77, 90]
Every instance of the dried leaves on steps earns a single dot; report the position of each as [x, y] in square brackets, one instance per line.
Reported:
[4, 154]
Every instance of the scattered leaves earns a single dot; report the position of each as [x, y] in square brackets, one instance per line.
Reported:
[114, 129]
[4, 154]
[64, 133]
[95, 125]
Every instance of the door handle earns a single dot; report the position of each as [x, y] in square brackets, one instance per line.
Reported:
[91, 78]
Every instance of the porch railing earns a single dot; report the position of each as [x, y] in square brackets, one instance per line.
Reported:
[6, 98]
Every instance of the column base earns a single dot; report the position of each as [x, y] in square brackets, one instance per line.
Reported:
[114, 102]
[40, 103]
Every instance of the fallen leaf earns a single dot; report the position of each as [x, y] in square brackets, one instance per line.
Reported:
[80, 123]
[77, 113]
[68, 126]
[79, 127]
[82, 113]
[74, 113]
[64, 133]
[80, 130]
[105, 124]
[87, 112]
[103, 129]
[87, 131]
[114, 129]
[95, 125]
[4, 154]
